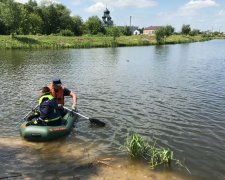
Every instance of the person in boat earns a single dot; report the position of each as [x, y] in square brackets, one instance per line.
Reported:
[49, 113]
[59, 92]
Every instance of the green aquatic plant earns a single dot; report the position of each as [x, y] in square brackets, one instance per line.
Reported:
[137, 147]
[158, 156]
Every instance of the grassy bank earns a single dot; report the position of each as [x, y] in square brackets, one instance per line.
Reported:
[43, 42]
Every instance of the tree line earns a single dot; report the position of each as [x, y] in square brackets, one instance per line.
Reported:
[165, 31]
[54, 18]
[46, 19]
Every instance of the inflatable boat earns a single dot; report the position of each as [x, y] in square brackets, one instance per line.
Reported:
[46, 133]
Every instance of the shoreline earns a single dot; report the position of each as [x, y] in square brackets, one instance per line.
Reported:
[63, 160]
[78, 42]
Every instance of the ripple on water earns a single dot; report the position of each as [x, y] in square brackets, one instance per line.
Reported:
[172, 92]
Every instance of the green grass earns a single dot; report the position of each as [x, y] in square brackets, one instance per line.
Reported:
[176, 39]
[51, 41]
[43, 42]
[138, 148]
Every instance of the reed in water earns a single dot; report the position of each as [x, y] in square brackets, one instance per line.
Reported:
[138, 147]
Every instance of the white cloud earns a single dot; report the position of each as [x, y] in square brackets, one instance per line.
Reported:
[125, 3]
[97, 7]
[196, 13]
[190, 9]
[132, 3]
[198, 4]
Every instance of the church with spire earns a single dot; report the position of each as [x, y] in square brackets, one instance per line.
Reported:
[107, 20]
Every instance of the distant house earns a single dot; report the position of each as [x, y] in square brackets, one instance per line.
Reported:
[136, 32]
[133, 28]
[150, 30]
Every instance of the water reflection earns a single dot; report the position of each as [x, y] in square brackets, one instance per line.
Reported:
[10, 57]
[161, 52]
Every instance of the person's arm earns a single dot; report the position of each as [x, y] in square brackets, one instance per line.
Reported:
[74, 99]
[67, 92]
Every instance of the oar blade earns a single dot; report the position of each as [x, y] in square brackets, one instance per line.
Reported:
[96, 122]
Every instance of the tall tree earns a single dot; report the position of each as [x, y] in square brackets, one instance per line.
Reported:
[77, 25]
[163, 32]
[30, 22]
[127, 31]
[186, 29]
[3, 29]
[94, 25]
[160, 34]
[64, 16]
[52, 19]
[10, 15]
[31, 6]
[55, 18]
[169, 30]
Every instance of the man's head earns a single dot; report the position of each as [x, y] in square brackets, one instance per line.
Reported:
[44, 91]
[57, 83]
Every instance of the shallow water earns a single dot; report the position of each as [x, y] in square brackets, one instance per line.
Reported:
[63, 160]
[174, 92]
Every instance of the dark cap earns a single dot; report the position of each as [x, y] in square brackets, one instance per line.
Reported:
[56, 81]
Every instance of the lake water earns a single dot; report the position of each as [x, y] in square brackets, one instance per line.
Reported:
[175, 93]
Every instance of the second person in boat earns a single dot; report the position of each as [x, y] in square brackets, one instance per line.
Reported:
[59, 92]
[49, 113]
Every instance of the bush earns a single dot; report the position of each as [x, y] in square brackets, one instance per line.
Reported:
[194, 32]
[66, 32]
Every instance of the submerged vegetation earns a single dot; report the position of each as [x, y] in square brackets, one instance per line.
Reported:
[137, 147]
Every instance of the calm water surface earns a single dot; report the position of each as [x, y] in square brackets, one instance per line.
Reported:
[174, 92]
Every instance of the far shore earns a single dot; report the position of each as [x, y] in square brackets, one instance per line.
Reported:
[54, 42]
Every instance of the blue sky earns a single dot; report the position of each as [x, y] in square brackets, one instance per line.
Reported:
[200, 14]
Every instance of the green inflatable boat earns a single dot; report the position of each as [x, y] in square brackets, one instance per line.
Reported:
[46, 133]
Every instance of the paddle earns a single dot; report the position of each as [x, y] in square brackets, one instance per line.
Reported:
[25, 117]
[92, 120]
[31, 111]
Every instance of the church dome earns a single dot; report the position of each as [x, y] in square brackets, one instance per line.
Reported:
[107, 11]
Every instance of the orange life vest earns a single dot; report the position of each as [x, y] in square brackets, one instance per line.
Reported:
[58, 95]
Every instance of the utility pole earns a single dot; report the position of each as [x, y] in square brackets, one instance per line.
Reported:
[130, 21]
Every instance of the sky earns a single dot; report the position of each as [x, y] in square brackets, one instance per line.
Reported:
[199, 14]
